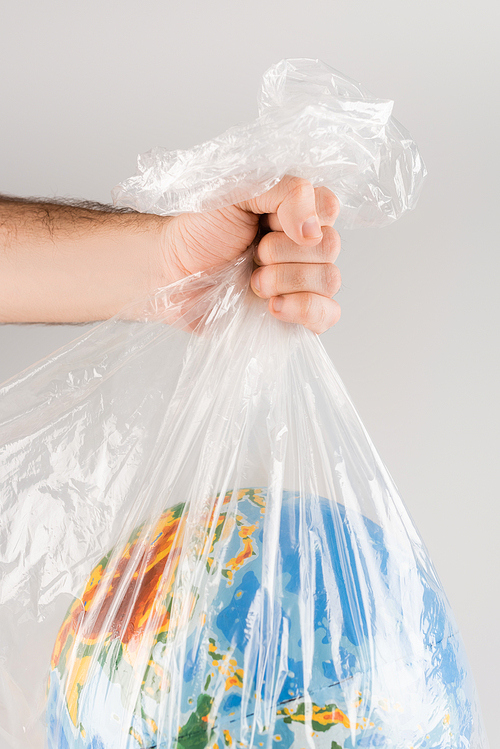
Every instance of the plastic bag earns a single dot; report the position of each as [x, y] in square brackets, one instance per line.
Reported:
[200, 546]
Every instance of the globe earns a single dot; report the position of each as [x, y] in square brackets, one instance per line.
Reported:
[216, 647]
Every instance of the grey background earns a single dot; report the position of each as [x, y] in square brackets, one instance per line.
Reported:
[86, 86]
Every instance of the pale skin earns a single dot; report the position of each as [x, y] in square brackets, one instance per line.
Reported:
[73, 264]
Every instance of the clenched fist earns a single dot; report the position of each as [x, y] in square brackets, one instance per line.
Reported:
[296, 253]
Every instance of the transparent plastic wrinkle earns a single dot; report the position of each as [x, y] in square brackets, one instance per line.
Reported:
[199, 544]
[313, 123]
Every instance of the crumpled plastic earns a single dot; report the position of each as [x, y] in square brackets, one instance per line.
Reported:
[313, 123]
[199, 544]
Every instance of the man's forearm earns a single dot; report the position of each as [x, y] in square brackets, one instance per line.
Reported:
[74, 263]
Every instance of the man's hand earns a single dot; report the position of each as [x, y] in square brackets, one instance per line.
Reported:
[63, 263]
[296, 256]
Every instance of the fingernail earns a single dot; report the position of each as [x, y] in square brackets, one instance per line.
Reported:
[278, 303]
[311, 228]
[256, 280]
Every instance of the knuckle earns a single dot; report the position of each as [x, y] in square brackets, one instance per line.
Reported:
[328, 317]
[266, 249]
[289, 277]
[333, 206]
[307, 307]
[272, 282]
[317, 315]
[321, 321]
[330, 245]
[299, 189]
[332, 280]
[328, 204]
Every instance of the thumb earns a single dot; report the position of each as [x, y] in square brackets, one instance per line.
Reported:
[290, 207]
